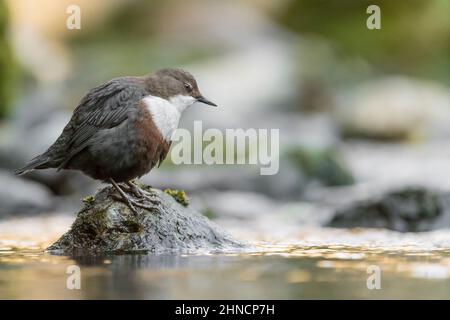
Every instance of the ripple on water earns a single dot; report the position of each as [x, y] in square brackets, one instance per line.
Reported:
[337, 259]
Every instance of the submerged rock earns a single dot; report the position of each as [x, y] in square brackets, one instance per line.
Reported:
[105, 225]
[408, 210]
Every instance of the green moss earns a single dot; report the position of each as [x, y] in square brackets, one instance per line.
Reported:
[88, 199]
[179, 196]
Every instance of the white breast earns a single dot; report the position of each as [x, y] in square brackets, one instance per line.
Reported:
[166, 113]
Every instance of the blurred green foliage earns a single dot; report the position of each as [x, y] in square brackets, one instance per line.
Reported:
[133, 20]
[127, 42]
[6, 64]
[323, 165]
[413, 40]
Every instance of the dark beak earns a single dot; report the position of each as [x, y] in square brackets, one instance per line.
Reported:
[202, 99]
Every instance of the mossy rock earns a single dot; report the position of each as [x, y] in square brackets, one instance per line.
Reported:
[411, 209]
[105, 225]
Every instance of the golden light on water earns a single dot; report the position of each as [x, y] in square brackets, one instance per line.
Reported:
[325, 256]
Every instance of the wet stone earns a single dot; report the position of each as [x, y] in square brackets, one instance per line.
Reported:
[105, 225]
[412, 209]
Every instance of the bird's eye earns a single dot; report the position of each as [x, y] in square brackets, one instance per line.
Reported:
[188, 86]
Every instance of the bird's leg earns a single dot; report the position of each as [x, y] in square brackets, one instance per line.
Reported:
[141, 193]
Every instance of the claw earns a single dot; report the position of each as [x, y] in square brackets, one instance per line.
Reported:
[143, 194]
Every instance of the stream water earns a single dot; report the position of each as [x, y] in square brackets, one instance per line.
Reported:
[317, 263]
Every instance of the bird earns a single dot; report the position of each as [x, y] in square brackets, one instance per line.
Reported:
[122, 129]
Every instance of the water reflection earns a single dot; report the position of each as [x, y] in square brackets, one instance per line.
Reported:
[273, 271]
[315, 263]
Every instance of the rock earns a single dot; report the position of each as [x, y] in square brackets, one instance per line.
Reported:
[19, 196]
[392, 108]
[107, 226]
[408, 210]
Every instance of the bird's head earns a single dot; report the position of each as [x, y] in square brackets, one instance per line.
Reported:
[180, 87]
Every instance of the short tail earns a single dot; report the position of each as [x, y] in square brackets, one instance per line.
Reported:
[39, 162]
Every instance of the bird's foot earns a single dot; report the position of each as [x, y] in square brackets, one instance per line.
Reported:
[129, 200]
[142, 194]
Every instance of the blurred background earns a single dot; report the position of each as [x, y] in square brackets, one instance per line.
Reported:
[363, 114]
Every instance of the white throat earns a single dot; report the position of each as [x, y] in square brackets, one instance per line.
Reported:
[166, 113]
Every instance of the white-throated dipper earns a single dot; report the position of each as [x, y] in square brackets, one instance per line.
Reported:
[121, 129]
